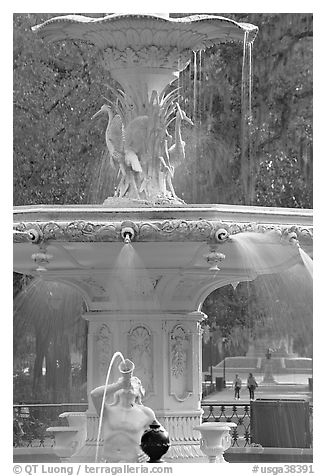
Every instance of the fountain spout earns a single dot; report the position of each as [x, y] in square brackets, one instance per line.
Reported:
[128, 231]
[127, 235]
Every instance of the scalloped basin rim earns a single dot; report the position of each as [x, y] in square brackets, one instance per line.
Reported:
[157, 17]
[196, 32]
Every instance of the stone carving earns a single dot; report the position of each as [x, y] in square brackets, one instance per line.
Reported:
[179, 347]
[157, 57]
[125, 419]
[116, 30]
[164, 230]
[180, 363]
[140, 350]
[181, 429]
[104, 345]
[145, 56]
[139, 143]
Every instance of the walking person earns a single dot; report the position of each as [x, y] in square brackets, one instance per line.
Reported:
[251, 385]
[237, 386]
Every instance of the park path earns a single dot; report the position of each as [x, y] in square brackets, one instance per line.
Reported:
[288, 391]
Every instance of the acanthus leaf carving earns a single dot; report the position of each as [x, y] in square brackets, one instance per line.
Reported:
[164, 230]
[104, 346]
[140, 350]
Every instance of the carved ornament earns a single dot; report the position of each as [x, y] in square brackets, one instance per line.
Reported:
[156, 230]
[152, 56]
[104, 346]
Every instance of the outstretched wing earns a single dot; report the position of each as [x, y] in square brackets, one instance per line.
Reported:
[136, 134]
[115, 134]
[132, 161]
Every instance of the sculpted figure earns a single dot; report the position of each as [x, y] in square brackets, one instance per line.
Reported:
[124, 420]
[140, 147]
[124, 146]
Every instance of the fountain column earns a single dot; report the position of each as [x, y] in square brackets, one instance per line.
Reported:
[166, 350]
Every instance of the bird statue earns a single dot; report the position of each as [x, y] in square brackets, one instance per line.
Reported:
[114, 135]
[177, 150]
[174, 154]
[123, 145]
[136, 135]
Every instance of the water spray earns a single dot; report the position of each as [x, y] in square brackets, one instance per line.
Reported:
[126, 368]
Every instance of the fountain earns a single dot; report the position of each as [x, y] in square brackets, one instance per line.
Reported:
[172, 248]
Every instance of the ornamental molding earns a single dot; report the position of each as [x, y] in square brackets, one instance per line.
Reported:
[199, 230]
[181, 428]
[153, 56]
[140, 350]
[104, 348]
[122, 30]
[180, 354]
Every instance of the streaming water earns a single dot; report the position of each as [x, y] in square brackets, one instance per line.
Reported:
[280, 308]
[132, 281]
[195, 81]
[115, 355]
[200, 89]
[246, 117]
[49, 337]
[103, 179]
[307, 261]
[259, 252]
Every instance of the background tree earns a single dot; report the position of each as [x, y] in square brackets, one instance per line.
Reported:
[279, 129]
[276, 309]
[59, 153]
[50, 346]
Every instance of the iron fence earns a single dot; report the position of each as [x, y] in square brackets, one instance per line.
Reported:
[30, 421]
[228, 412]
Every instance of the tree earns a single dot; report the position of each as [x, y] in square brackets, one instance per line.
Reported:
[47, 329]
[267, 147]
[57, 89]
[58, 152]
[270, 308]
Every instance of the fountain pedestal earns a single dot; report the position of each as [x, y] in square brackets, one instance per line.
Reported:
[166, 350]
[215, 439]
[149, 310]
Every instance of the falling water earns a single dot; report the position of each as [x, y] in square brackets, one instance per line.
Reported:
[283, 303]
[115, 355]
[179, 82]
[246, 117]
[195, 87]
[307, 261]
[200, 87]
[47, 320]
[258, 251]
[132, 281]
[103, 180]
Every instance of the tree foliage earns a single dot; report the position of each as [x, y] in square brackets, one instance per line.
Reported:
[57, 88]
[278, 132]
[59, 153]
[272, 308]
[49, 343]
